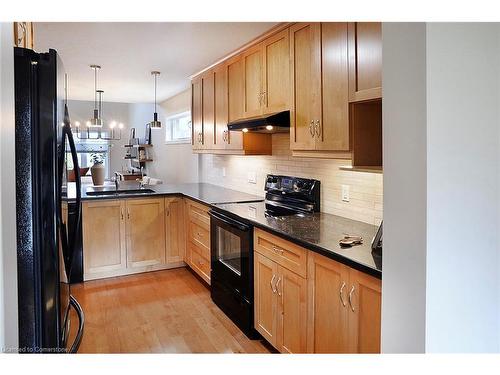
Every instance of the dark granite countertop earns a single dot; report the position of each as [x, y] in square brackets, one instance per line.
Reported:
[201, 192]
[319, 232]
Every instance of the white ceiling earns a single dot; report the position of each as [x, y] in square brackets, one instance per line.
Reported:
[128, 52]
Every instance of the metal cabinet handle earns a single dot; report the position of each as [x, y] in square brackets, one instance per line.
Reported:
[277, 283]
[264, 97]
[341, 294]
[121, 213]
[272, 286]
[311, 128]
[318, 128]
[350, 298]
[277, 250]
[128, 213]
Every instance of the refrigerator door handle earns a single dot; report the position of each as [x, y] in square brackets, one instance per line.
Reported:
[76, 168]
[81, 323]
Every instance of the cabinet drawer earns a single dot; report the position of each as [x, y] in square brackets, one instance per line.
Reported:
[199, 263]
[201, 250]
[198, 214]
[199, 235]
[285, 253]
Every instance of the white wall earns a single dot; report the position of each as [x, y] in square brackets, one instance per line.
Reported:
[8, 255]
[441, 152]
[404, 145]
[462, 187]
[173, 163]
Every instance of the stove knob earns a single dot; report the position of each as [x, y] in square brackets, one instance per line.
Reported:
[300, 184]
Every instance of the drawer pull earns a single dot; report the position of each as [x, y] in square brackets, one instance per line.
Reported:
[277, 250]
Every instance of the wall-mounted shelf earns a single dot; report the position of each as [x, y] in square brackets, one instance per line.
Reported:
[367, 169]
[141, 160]
[138, 146]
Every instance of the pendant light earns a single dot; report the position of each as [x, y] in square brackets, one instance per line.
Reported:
[96, 120]
[155, 124]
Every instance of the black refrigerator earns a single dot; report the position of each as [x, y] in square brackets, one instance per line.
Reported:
[46, 232]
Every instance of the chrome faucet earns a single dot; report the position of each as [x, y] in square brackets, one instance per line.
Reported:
[141, 182]
[117, 179]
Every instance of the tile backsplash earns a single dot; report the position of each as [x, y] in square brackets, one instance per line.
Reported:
[365, 189]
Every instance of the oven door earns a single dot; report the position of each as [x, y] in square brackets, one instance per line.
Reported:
[230, 246]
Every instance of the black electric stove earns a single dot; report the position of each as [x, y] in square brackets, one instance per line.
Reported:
[231, 233]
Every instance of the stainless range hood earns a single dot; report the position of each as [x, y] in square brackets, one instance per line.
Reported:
[278, 122]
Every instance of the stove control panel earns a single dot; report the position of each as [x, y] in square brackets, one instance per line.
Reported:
[289, 189]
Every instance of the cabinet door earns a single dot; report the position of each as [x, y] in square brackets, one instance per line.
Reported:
[276, 81]
[252, 60]
[266, 302]
[175, 230]
[208, 112]
[364, 313]
[292, 293]
[145, 232]
[103, 237]
[196, 113]
[332, 131]
[305, 56]
[365, 61]
[220, 88]
[327, 305]
[236, 89]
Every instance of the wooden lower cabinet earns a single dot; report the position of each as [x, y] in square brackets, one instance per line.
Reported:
[280, 305]
[128, 236]
[145, 232]
[197, 224]
[104, 251]
[265, 301]
[175, 231]
[344, 308]
[326, 308]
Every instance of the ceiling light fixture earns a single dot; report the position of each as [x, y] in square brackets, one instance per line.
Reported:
[96, 120]
[155, 124]
[94, 126]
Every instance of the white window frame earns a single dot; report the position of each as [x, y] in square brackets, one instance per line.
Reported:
[168, 128]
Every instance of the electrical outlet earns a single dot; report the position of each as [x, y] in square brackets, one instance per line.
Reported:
[223, 171]
[345, 193]
[252, 177]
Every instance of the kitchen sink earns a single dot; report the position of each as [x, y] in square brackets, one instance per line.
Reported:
[94, 192]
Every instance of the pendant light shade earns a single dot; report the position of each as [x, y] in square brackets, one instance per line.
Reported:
[155, 124]
[96, 120]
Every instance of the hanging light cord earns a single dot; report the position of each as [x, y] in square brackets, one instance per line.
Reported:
[155, 91]
[95, 87]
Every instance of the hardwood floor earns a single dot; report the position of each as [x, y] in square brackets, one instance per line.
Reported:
[158, 312]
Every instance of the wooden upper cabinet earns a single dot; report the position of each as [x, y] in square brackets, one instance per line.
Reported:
[305, 78]
[196, 113]
[236, 88]
[208, 111]
[276, 73]
[365, 61]
[253, 66]
[333, 130]
[145, 228]
[365, 313]
[103, 238]
[220, 98]
[175, 230]
[327, 314]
